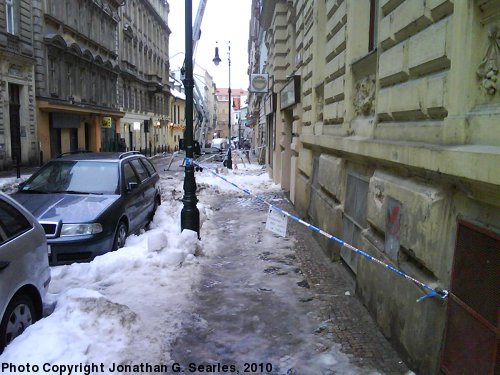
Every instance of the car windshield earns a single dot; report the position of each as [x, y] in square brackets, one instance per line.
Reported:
[74, 177]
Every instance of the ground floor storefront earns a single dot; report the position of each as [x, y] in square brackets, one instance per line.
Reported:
[63, 128]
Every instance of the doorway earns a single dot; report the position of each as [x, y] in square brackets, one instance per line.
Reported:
[87, 136]
[286, 150]
[73, 139]
[15, 122]
[471, 336]
[271, 139]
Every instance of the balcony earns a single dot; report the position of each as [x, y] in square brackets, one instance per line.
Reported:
[153, 83]
[128, 68]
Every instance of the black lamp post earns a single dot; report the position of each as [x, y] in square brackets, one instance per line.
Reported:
[216, 61]
[190, 216]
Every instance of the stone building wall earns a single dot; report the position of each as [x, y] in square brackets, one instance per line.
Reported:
[17, 69]
[395, 144]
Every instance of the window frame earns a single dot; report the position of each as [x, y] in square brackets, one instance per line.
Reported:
[10, 24]
[137, 171]
[5, 231]
[149, 166]
[125, 181]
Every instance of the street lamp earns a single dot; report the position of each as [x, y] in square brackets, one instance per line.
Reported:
[216, 61]
[190, 216]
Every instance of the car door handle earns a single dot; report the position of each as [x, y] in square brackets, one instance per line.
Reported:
[3, 265]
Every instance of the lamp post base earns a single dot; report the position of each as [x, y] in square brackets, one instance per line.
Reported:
[190, 215]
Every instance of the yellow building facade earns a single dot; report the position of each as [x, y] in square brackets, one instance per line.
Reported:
[386, 134]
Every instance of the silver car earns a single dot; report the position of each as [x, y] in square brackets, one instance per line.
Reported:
[24, 269]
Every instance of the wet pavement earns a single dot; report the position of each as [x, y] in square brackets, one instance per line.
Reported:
[273, 305]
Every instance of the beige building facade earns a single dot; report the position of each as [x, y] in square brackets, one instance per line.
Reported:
[384, 131]
[144, 90]
[177, 125]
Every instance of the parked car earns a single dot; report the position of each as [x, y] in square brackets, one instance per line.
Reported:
[24, 270]
[220, 143]
[213, 154]
[89, 202]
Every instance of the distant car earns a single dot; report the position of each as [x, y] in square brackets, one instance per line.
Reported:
[89, 202]
[24, 270]
[213, 154]
[220, 143]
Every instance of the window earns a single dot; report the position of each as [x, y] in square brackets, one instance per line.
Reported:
[372, 37]
[12, 222]
[53, 84]
[140, 169]
[94, 87]
[83, 83]
[9, 15]
[81, 176]
[149, 166]
[354, 216]
[129, 174]
[69, 79]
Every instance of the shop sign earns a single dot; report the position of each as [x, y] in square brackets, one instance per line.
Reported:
[106, 122]
[290, 94]
[259, 82]
[65, 120]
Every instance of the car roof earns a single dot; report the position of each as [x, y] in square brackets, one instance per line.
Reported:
[97, 156]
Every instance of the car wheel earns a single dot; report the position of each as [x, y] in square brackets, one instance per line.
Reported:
[19, 315]
[155, 207]
[120, 236]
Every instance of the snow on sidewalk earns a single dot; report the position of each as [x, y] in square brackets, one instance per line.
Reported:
[126, 306]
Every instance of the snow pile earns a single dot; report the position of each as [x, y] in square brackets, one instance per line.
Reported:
[123, 306]
[9, 185]
[254, 178]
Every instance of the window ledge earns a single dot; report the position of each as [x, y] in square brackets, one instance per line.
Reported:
[366, 63]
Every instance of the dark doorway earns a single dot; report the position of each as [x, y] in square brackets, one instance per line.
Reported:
[131, 140]
[55, 139]
[73, 139]
[271, 139]
[471, 338]
[15, 122]
[87, 136]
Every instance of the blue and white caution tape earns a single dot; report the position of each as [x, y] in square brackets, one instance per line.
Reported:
[433, 292]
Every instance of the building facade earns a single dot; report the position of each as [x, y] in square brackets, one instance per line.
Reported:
[238, 97]
[76, 74]
[177, 124]
[144, 90]
[382, 124]
[18, 131]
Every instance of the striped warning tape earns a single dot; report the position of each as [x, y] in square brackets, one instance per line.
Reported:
[433, 292]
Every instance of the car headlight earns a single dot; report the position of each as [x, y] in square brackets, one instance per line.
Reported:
[80, 229]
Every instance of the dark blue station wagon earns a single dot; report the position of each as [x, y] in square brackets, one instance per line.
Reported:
[88, 203]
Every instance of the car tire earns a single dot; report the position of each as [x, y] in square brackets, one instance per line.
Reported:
[19, 315]
[155, 207]
[120, 236]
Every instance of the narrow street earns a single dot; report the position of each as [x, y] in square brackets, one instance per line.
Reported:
[267, 304]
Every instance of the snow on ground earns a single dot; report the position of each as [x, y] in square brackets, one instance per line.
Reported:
[9, 184]
[251, 176]
[126, 306]
[123, 306]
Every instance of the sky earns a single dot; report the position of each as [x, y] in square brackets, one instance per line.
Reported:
[223, 21]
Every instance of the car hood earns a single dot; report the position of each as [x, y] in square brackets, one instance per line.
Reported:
[68, 208]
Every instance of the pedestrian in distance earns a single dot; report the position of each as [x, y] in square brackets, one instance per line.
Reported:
[247, 146]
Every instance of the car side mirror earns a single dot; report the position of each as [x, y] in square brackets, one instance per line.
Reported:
[132, 186]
